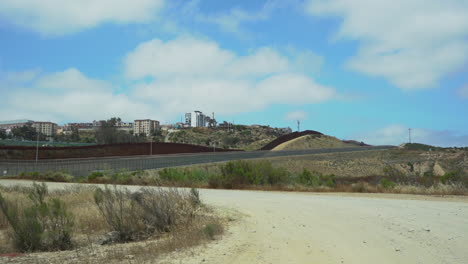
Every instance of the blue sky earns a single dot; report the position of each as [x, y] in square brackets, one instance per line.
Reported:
[361, 69]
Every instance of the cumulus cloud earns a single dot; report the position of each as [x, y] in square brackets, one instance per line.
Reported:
[66, 95]
[398, 134]
[191, 73]
[296, 115]
[187, 56]
[163, 80]
[56, 17]
[413, 44]
[232, 20]
[463, 91]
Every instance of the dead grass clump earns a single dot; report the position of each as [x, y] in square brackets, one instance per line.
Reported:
[135, 216]
[437, 189]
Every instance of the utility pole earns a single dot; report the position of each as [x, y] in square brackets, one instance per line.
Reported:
[298, 126]
[409, 135]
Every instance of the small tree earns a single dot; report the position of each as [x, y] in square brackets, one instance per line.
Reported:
[3, 134]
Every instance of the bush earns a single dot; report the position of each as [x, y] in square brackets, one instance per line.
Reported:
[315, 179]
[328, 180]
[45, 225]
[187, 177]
[450, 177]
[235, 174]
[119, 211]
[308, 179]
[95, 175]
[141, 214]
[212, 230]
[57, 176]
[387, 184]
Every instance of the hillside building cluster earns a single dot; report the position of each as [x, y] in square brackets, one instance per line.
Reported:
[137, 127]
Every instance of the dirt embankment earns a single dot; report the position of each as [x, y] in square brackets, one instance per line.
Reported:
[313, 142]
[373, 163]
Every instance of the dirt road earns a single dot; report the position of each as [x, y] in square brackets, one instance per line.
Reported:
[276, 227]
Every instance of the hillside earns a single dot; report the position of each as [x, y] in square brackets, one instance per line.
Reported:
[239, 137]
[313, 142]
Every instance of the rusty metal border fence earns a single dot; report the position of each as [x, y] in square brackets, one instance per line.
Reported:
[83, 167]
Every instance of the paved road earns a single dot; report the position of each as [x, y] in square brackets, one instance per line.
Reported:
[281, 228]
[80, 167]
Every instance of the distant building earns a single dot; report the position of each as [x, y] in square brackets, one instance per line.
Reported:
[145, 126]
[125, 126]
[198, 119]
[167, 127]
[8, 125]
[46, 128]
[180, 125]
[79, 126]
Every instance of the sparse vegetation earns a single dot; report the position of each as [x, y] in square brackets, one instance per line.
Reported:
[45, 224]
[36, 219]
[237, 137]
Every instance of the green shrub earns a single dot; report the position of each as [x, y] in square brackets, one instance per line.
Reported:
[186, 176]
[212, 230]
[328, 180]
[308, 179]
[45, 225]
[387, 184]
[240, 173]
[57, 176]
[450, 177]
[95, 175]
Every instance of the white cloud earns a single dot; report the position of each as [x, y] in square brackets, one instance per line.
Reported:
[67, 95]
[188, 56]
[413, 44]
[232, 20]
[398, 134]
[296, 115]
[56, 17]
[19, 77]
[463, 91]
[192, 74]
[165, 79]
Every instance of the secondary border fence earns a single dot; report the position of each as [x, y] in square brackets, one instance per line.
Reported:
[83, 167]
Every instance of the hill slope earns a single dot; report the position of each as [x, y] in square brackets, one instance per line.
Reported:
[313, 142]
[239, 137]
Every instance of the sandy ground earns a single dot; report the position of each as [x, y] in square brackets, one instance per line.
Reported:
[277, 227]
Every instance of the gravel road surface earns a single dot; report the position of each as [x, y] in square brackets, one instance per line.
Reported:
[280, 227]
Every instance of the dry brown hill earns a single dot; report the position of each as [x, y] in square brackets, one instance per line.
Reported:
[313, 142]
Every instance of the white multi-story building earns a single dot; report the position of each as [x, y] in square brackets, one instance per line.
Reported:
[195, 119]
[46, 128]
[145, 126]
[198, 119]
